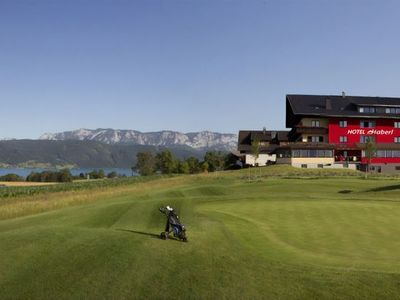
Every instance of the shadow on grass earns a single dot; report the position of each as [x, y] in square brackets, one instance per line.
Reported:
[345, 191]
[154, 236]
[385, 188]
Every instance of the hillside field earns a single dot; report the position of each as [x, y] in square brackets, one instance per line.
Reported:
[24, 183]
[299, 236]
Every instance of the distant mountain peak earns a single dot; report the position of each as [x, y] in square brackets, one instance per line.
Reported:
[196, 140]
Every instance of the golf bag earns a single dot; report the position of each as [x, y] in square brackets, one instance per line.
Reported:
[173, 225]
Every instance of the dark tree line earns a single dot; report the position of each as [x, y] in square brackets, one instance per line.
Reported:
[63, 175]
[165, 162]
[11, 177]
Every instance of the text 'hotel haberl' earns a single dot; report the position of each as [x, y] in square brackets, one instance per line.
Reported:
[331, 132]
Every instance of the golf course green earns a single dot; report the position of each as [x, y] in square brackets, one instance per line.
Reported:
[270, 238]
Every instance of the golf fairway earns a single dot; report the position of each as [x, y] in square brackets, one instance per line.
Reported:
[332, 238]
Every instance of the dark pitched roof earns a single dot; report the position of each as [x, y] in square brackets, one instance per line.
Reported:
[337, 106]
[247, 136]
[271, 136]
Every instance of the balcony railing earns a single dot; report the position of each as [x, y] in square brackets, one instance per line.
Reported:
[316, 130]
[348, 146]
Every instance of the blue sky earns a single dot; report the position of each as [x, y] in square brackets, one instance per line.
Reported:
[186, 65]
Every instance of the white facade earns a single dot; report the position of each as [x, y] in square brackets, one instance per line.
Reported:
[262, 159]
[316, 162]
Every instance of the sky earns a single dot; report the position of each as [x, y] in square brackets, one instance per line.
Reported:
[189, 65]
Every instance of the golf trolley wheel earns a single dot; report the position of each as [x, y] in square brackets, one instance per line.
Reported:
[183, 237]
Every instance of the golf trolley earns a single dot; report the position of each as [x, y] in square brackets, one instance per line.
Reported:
[173, 225]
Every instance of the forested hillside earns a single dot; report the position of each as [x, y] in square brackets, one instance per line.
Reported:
[79, 153]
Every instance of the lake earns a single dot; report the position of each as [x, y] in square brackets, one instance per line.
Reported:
[74, 171]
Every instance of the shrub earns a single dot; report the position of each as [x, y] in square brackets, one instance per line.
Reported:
[112, 174]
[11, 177]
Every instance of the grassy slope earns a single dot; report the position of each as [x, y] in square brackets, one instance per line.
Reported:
[276, 238]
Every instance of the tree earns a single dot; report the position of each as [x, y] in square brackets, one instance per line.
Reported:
[204, 167]
[215, 160]
[146, 163]
[33, 177]
[64, 176]
[183, 167]
[370, 153]
[194, 165]
[11, 177]
[231, 162]
[255, 150]
[166, 163]
[101, 174]
[112, 174]
[94, 174]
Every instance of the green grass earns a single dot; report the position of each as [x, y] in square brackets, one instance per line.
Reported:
[275, 238]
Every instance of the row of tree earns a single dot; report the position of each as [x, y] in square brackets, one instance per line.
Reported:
[165, 162]
[65, 175]
[11, 177]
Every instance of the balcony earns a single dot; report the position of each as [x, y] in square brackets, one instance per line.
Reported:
[309, 130]
[349, 146]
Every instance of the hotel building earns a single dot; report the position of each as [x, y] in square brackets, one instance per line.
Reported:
[331, 132]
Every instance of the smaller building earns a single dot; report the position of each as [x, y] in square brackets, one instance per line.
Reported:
[269, 141]
[308, 155]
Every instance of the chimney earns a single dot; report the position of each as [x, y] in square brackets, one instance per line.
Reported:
[328, 104]
[343, 94]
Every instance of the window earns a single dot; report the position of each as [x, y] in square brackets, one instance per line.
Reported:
[320, 166]
[367, 124]
[342, 124]
[315, 139]
[389, 110]
[343, 139]
[396, 124]
[397, 168]
[315, 123]
[304, 166]
[367, 109]
[284, 153]
[312, 153]
[392, 110]
[397, 139]
[365, 138]
[385, 153]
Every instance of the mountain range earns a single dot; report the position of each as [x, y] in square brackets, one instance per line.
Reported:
[196, 140]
